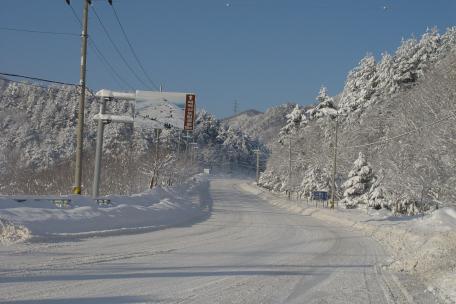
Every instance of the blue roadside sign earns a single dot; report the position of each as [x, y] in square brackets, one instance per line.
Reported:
[320, 195]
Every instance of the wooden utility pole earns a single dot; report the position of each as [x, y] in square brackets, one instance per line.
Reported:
[257, 151]
[82, 84]
[333, 191]
[289, 168]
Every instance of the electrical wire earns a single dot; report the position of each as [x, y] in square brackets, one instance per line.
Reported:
[34, 85]
[100, 55]
[42, 80]
[132, 49]
[109, 65]
[105, 30]
[38, 79]
[38, 32]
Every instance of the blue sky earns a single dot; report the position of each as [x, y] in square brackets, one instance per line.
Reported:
[261, 53]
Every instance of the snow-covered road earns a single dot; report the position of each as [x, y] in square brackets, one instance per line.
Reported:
[247, 252]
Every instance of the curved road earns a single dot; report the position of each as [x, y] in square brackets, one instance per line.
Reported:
[247, 251]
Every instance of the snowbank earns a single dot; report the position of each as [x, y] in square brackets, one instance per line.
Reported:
[11, 233]
[38, 218]
[425, 246]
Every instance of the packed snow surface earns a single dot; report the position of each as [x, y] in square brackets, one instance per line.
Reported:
[247, 251]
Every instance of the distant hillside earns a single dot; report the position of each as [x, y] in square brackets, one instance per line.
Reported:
[262, 126]
[248, 113]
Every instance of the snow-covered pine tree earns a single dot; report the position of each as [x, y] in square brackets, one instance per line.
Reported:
[314, 179]
[325, 106]
[385, 69]
[358, 184]
[360, 85]
[448, 41]
[414, 56]
[428, 48]
[294, 120]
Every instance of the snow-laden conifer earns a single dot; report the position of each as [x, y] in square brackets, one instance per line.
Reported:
[325, 106]
[295, 119]
[360, 85]
[359, 181]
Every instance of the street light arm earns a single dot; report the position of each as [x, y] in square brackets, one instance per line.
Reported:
[113, 94]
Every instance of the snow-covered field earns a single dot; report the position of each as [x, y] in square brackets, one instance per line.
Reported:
[425, 246]
[40, 219]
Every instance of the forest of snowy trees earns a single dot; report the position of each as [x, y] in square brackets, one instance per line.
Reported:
[38, 143]
[396, 137]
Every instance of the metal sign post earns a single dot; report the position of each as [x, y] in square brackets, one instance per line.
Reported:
[100, 131]
[144, 100]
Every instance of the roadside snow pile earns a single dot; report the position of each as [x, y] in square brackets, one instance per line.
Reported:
[40, 218]
[442, 220]
[424, 246]
[11, 233]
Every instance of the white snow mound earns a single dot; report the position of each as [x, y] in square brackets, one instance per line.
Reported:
[12, 233]
[38, 218]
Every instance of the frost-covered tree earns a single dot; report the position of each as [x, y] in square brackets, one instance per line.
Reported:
[314, 179]
[325, 106]
[385, 69]
[414, 56]
[360, 85]
[223, 146]
[359, 181]
[295, 119]
[207, 128]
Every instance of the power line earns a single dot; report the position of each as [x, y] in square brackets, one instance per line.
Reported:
[34, 85]
[108, 64]
[132, 49]
[42, 80]
[100, 55]
[38, 79]
[117, 49]
[38, 32]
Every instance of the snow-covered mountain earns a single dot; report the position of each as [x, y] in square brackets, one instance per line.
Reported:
[398, 113]
[262, 126]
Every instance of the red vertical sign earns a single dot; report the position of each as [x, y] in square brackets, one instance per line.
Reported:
[190, 105]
